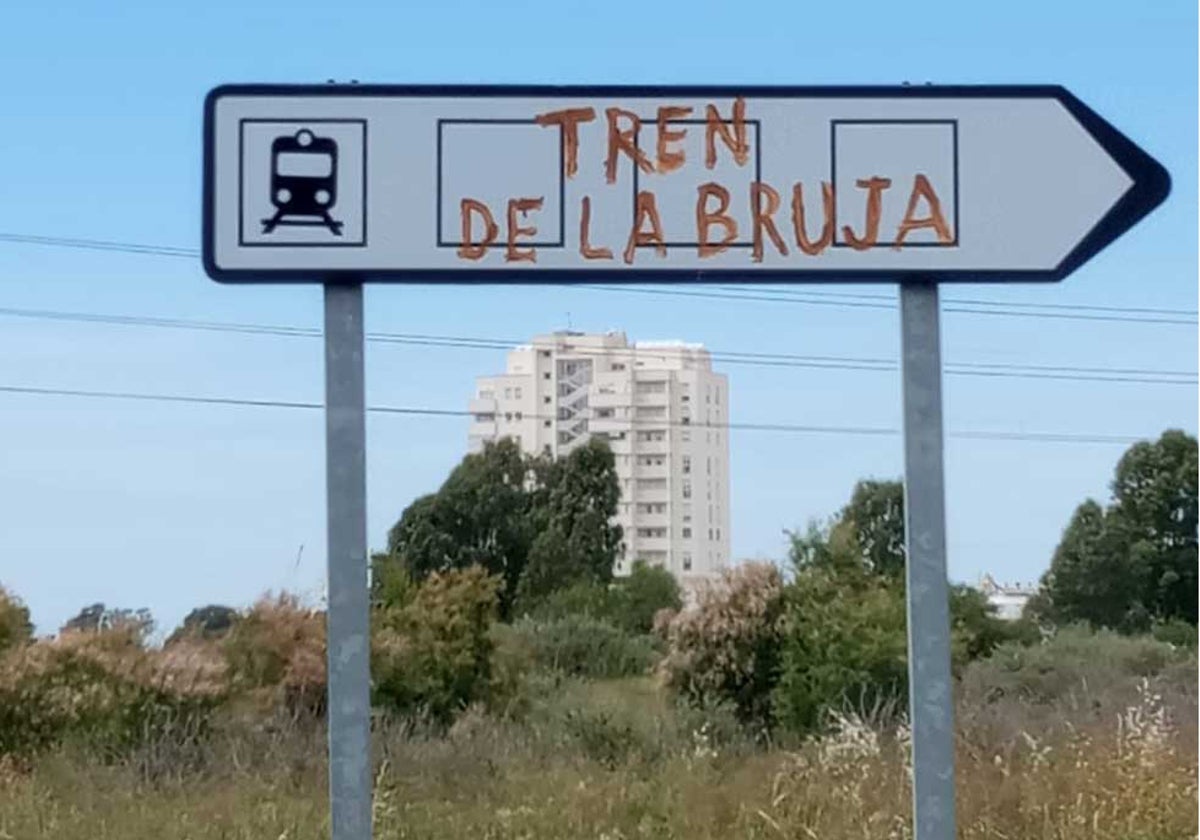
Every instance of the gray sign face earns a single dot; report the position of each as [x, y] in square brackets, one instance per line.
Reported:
[528, 184]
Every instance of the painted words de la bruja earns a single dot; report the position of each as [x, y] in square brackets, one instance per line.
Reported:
[715, 229]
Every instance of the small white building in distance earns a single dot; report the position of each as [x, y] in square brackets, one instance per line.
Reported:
[662, 410]
[1009, 599]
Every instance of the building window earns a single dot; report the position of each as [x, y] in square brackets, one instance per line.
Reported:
[546, 375]
[687, 489]
[708, 465]
[685, 435]
[508, 417]
[718, 400]
[710, 533]
[545, 401]
[685, 398]
[486, 395]
[718, 533]
[519, 416]
[604, 412]
[687, 464]
[545, 354]
[508, 393]
[546, 424]
[517, 392]
[687, 533]
[687, 561]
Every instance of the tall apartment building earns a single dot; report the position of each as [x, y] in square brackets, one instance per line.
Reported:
[662, 410]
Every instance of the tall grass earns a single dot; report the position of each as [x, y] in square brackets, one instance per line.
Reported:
[617, 760]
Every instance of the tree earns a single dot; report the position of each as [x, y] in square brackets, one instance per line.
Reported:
[874, 517]
[479, 516]
[97, 618]
[213, 621]
[535, 523]
[15, 626]
[1134, 563]
[572, 510]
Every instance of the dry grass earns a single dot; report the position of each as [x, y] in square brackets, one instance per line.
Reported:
[615, 761]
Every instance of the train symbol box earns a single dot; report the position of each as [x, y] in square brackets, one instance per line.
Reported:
[303, 183]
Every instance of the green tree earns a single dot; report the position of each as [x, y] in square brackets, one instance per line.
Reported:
[15, 626]
[479, 517]
[572, 508]
[638, 598]
[213, 621]
[1134, 563]
[874, 520]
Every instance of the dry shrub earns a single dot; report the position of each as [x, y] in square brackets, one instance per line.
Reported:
[103, 690]
[725, 649]
[276, 655]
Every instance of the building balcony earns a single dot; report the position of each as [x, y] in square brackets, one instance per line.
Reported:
[651, 520]
[482, 406]
[608, 424]
[652, 545]
[653, 471]
[652, 447]
[598, 399]
[650, 494]
[482, 429]
[652, 399]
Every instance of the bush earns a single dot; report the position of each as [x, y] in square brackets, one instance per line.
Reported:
[15, 627]
[103, 691]
[276, 654]
[432, 648]
[1075, 657]
[628, 603]
[726, 649]
[843, 644]
[584, 647]
[1176, 632]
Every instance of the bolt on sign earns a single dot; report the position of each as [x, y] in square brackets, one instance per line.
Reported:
[523, 184]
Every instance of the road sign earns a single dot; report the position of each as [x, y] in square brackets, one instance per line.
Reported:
[916, 185]
[501, 184]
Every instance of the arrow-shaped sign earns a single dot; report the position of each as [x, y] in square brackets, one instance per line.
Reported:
[521, 184]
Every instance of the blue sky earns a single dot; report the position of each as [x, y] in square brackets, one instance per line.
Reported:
[173, 506]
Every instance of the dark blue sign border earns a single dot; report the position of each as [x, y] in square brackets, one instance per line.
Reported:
[1151, 185]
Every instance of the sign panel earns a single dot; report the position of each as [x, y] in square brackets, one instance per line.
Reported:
[521, 184]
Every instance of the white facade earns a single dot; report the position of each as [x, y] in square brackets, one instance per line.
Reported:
[1008, 599]
[662, 410]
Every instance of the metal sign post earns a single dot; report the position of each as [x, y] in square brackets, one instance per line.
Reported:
[348, 613]
[930, 698]
[526, 184]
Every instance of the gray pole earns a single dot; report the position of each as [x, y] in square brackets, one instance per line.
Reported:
[930, 688]
[347, 624]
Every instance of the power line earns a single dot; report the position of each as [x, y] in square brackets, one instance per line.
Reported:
[778, 297]
[789, 360]
[1037, 437]
[745, 293]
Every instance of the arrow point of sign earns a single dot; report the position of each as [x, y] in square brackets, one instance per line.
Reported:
[1151, 183]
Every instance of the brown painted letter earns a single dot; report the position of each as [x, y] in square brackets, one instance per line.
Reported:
[522, 206]
[874, 187]
[923, 189]
[568, 119]
[585, 245]
[670, 159]
[623, 141]
[763, 220]
[469, 250]
[720, 216]
[736, 141]
[802, 241]
[646, 208]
